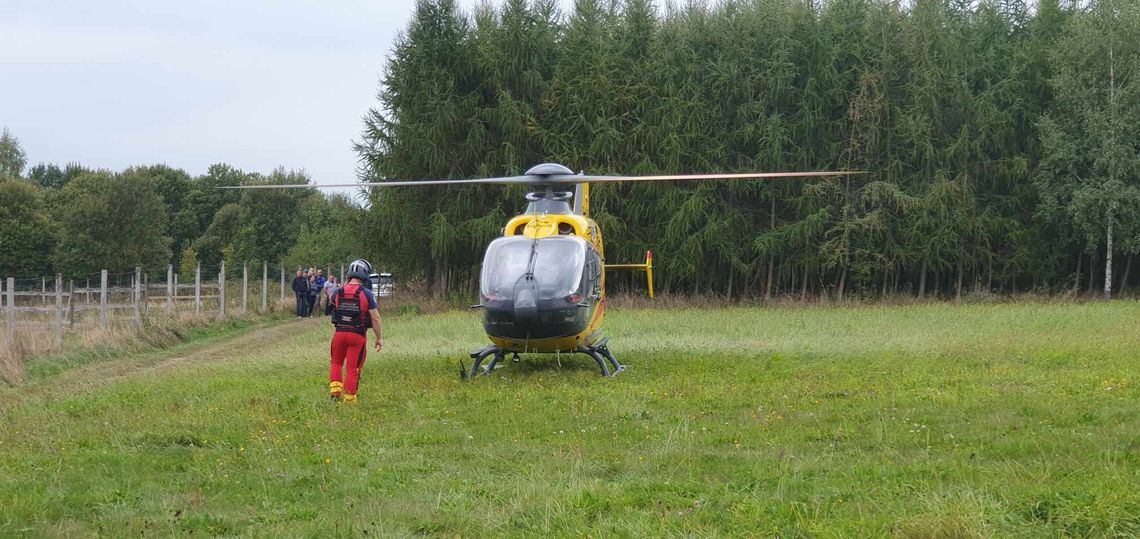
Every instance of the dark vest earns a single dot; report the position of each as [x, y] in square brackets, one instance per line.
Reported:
[350, 310]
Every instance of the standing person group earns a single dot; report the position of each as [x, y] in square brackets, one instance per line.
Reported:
[309, 289]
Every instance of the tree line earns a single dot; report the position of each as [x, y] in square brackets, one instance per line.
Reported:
[76, 221]
[1001, 139]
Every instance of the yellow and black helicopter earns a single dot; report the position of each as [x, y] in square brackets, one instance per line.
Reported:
[542, 285]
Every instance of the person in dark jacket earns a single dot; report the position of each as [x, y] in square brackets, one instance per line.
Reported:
[317, 286]
[301, 290]
[316, 282]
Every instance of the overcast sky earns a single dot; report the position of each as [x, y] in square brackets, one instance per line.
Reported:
[253, 83]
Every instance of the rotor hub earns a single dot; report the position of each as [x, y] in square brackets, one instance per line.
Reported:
[548, 169]
[549, 195]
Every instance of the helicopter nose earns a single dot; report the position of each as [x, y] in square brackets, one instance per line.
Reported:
[526, 306]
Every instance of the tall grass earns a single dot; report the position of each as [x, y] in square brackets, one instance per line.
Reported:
[11, 360]
[908, 421]
[86, 339]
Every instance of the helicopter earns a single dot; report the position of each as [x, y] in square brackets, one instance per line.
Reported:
[542, 284]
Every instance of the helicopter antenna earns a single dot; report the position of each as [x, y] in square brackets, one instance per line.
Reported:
[548, 191]
[529, 275]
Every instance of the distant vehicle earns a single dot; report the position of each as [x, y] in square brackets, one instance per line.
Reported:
[382, 284]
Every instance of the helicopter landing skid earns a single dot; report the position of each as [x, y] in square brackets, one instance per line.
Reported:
[479, 355]
[599, 351]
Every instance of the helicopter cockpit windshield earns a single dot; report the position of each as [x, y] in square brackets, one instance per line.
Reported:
[555, 262]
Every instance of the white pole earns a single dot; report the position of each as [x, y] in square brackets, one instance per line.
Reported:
[138, 295]
[282, 282]
[10, 309]
[70, 303]
[58, 312]
[170, 287]
[264, 285]
[244, 286]
[103, 299]
[198, 288]
[222, 289]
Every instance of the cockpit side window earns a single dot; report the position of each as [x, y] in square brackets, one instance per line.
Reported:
[595, 273]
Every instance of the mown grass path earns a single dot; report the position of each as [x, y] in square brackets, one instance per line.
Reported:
[933, 420]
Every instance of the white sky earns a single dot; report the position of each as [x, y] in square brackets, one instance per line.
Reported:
[252, 83]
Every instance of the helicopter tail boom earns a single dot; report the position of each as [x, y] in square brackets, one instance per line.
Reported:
[647, 267]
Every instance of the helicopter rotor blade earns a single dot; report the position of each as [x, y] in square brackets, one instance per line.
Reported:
[558, 179]
[506, 180]
[689, 177]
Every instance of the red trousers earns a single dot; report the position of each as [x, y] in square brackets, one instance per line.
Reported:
[350, 348]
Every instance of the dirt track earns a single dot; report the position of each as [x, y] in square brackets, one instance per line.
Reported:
[102, 372]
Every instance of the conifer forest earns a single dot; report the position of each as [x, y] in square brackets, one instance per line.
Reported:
[1000, 140]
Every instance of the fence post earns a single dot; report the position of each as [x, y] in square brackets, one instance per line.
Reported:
[10, 310]
[282, 282]
[138, 295]
[70, 303]
[264, 285]
[87, 291]
[58, 312]
[341, 276]
[198, 288]
[244, 286]
[43, 290]
[170, 287]
[103, 299]
[222, 289]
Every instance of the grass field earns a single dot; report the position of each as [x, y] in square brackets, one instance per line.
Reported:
[920, 421]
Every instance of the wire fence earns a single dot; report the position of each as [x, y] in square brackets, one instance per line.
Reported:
[103, 299]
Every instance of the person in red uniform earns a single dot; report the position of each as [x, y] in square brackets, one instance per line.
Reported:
[353, 312]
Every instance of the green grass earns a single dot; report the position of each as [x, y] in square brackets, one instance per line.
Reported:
[922, 421]
[158, 342]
